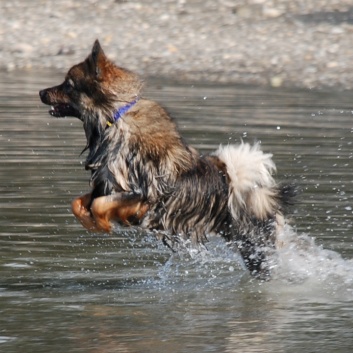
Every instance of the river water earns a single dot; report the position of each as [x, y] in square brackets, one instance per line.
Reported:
[64, 290]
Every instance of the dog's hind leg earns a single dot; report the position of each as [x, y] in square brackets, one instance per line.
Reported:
[255, 259]
[125, 208]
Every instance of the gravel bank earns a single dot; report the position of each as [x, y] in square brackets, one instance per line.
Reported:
[301, 43]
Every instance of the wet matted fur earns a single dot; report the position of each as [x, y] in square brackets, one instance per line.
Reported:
[144, 174]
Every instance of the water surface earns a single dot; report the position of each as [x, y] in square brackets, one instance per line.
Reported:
[64, 290]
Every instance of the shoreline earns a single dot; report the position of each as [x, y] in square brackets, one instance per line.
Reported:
[298, 44]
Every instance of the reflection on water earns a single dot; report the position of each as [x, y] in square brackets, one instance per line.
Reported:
[64, 290]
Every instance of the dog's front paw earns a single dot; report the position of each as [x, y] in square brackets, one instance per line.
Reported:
[80, 211]
[101, 215]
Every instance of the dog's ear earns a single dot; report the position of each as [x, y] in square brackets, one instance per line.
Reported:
[98, 58]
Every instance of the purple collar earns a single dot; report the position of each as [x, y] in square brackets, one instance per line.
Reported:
[124, 109]
[121, 111]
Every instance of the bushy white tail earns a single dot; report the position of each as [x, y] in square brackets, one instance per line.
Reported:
[252, 188]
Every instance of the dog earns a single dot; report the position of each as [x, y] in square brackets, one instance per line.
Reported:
[144, 174]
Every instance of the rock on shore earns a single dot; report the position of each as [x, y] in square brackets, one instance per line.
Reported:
[300, 43]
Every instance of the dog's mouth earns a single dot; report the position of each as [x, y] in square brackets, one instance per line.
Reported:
[61, 110]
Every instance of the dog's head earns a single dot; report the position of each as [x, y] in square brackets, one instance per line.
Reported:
[94, 85]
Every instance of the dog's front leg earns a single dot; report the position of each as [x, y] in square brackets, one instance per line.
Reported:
[81, 209]
[125, 208]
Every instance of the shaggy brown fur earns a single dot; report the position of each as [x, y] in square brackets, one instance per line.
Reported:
[143, 173]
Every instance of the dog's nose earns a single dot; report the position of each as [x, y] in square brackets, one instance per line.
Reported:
[42, 94]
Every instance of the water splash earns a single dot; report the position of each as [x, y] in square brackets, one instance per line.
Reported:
[301, 260]
[299, 265]
[203, 267]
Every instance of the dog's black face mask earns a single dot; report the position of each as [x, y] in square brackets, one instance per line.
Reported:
[61, 100]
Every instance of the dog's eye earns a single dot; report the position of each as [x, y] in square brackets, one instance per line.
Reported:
[69, 84]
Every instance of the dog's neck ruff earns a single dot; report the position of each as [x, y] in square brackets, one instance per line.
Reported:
[121, 111]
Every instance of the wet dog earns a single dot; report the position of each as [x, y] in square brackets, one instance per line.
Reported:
[144, 174]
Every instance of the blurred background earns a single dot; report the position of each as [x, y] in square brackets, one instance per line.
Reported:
[302, 43]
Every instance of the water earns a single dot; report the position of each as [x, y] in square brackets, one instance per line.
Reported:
[64, 290]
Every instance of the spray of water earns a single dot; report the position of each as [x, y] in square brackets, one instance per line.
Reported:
[301, 260]
[299, 263]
